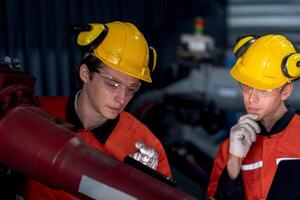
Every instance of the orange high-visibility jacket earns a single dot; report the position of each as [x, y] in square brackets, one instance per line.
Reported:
[260, 164]
[119, 141]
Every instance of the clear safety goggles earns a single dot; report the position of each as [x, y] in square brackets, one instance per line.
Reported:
[246, 89]
[114, 85]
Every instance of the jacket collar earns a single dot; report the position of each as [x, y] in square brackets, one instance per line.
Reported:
[101, 132]
[280, 125]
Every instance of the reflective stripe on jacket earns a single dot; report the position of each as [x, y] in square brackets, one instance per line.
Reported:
[260, 164]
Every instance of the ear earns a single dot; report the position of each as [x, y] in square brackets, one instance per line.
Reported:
[84, 73]
[287, 91]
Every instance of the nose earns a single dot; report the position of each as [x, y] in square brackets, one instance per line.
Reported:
[121, 95]
[253, 95]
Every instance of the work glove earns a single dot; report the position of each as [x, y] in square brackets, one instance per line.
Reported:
[243, 134]
[145, 155]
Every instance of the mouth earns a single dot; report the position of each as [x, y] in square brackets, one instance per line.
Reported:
[114, 109]
[252, 110]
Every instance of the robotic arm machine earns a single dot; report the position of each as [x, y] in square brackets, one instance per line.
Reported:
[38, 145]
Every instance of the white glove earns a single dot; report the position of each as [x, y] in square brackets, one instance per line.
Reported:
[243, 134]
[145, 155]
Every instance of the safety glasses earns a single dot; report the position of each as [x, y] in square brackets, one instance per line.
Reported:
[115, 86]
[249, 90]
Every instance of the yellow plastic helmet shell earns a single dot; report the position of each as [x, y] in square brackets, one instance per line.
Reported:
[125, 49]
[260, 66]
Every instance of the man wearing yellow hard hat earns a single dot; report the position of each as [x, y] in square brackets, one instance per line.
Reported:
[246, 162]
[116, 58]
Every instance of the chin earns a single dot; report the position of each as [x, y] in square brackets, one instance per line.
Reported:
[255, 111]
[111, 115]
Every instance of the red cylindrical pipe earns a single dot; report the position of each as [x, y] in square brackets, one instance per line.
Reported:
[32, 143]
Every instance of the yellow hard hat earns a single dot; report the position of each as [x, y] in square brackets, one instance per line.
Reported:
[265, 62]
[121, 46]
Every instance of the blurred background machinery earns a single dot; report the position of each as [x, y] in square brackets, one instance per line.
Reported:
[260, 17]
[193, 101]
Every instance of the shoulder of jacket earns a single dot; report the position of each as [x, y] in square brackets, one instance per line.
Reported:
[295, 120]
[131, 122]
[52, 99]
[55, 105]
[127, 116]
[297, 116]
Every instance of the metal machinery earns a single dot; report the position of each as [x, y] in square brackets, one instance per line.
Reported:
[41, 146]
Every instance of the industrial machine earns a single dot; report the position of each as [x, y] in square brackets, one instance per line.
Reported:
[43, 147]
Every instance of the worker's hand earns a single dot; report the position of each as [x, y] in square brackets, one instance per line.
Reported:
[145, 155]
[243, 134]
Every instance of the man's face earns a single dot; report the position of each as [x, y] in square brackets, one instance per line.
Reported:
[110, 91]
[265, 103]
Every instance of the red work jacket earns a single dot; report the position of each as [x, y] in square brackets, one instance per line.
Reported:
[120, 143]
[260, 164]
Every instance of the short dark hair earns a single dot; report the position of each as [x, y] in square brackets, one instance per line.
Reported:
[92, 62]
